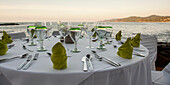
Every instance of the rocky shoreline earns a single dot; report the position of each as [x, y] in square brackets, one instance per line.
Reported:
[6, 24]
[163, 55]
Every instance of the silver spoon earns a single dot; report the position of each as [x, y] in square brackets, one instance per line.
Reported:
[89, 58]
[21, 56]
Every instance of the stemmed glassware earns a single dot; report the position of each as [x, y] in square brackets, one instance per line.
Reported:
[64, 30]
[75, 33]
[101, 32]
[49, 27]
[90, 30]
[31, 32]
[81, 25]
[109, 31]
[41, 32]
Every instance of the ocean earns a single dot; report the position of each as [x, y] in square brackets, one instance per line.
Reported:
[160, 29]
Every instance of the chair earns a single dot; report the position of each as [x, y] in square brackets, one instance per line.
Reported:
[55, 33]
[4, 80]
[161, 77]
[150, 42]
[18, 35]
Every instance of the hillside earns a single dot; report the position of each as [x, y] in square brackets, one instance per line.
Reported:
[152, 18]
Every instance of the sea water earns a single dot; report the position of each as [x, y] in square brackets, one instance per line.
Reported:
[160, 29]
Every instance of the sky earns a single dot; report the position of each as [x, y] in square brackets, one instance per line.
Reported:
[79, 10]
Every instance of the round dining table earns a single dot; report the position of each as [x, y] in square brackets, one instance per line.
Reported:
[135, 71]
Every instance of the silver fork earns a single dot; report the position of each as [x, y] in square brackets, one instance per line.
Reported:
[24, 63]
[111, 62]
[31, 61]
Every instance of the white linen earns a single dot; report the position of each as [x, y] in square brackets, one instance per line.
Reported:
[161, 77]
[135, 71]
[4, 80]
[150, 42]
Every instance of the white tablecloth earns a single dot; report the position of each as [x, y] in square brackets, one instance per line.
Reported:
[135, 71]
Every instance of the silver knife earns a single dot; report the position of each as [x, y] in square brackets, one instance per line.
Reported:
[84, 60]
[138, 54]
[90, 66]
[111, 62]
[24, 63]
[31, 61]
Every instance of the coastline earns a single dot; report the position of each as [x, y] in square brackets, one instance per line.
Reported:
[163, 56]
[6, 24]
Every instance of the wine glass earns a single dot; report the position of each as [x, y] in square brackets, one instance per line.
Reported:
[81, 25]
[101, 32]
[64, 30]
[90, 30]
[75, 33]
[109, 31]
[49, 27]
[31, 32]
[41, 32]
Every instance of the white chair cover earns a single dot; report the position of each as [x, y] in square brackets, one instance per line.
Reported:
[4, 80]
[166, 73]
[161, 77]
[18, 35]
[150, 42]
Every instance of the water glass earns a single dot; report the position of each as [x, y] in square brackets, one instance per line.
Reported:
[41, 32]
[31, 33]
[109, 31]
[101, 32]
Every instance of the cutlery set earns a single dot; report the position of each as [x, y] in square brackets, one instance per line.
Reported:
[28, 62]
[87, 64]
[107, 60]
[89, 58]
[25, 62]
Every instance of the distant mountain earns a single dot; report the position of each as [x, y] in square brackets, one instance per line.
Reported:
[152, 18]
